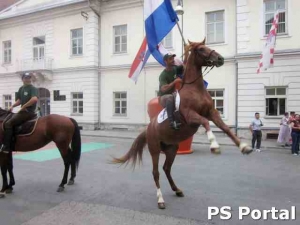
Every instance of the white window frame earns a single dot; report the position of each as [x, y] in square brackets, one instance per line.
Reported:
[167, 42]
[277, 97]
[77, 39]
[121, 50]
[215, 29]
[215, 98]
[266, 32]
[7, 101]
[6, 52]
[40, 49]
[78, 100]
[120, 105]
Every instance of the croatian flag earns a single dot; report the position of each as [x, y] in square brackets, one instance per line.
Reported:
[267, 56]
[160, 18]
[139, 61]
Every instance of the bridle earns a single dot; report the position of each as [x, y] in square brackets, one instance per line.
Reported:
[209, 63]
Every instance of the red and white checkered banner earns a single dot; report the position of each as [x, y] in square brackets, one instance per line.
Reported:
[267, 56]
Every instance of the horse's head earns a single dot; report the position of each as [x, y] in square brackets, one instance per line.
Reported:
[204, 56]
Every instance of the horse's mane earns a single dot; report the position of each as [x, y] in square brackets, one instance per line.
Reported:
[189, 51]
[192, 46]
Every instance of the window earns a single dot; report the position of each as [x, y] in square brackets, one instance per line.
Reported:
[271, 7]
[168, 41]
[218, 100]
[275, 101]
[6, 51]
[7, 101]
[77, 103]
[215, 27]
[38, 48]
[120, 103]
[77, 41]
[120, 39]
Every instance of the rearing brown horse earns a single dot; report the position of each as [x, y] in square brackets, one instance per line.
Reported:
[63, 131]
[196, 109]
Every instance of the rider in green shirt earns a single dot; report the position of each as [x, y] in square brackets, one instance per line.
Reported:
[27, 98]
[167, 87]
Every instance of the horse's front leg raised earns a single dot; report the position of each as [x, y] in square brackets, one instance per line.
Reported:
[216, 118]
[194, 119]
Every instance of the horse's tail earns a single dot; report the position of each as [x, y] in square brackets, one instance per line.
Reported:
[76, 143]
[135, 152]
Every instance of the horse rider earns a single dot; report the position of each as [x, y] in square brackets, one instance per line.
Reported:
[167, 87]
[27, 98]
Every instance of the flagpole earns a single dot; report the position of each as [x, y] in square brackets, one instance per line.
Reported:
[180, 31]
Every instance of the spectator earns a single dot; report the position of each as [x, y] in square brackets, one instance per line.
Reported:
[295, 135]
[284, 133]
[255, 128]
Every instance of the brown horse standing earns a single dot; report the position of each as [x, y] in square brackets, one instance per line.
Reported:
[196, 109]
[63, 131]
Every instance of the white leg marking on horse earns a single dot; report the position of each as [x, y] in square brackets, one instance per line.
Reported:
[212, 138]
[242, 146]
[159, 196]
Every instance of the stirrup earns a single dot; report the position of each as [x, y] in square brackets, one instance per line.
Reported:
[4, 150]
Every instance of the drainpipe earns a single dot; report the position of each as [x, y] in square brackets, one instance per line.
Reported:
[236, 72]
[99, 64]
[93, 9]
[99, 73]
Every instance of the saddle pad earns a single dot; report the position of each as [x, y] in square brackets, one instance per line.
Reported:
[177, 101]
[25, 129]
[162, 116]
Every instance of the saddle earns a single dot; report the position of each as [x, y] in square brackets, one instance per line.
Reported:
[24, 129]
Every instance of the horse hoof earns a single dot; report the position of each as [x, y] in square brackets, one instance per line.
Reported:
[247, 150]
[215, 151]
[60, 189]
[161, 205]
[179, 194]
[2, 195]
[9, 190]
[71, 182]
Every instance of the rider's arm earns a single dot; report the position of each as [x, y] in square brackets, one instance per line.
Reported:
[167, 87]
[251, 127]
[17, 103]
[31, 102]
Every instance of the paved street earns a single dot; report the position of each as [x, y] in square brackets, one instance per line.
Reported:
[108, 194]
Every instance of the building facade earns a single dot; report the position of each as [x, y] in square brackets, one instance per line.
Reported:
[277, 90]
[81, 52]
[59, 42]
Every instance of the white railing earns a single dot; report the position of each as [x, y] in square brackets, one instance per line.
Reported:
[34, 64]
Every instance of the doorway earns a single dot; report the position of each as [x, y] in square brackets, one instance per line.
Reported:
[44, 101]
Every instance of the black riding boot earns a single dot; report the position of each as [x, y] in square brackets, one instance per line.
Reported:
[170, 111]
[6, 147]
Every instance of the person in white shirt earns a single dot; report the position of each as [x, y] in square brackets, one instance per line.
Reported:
[285, 132]
[255, 128]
